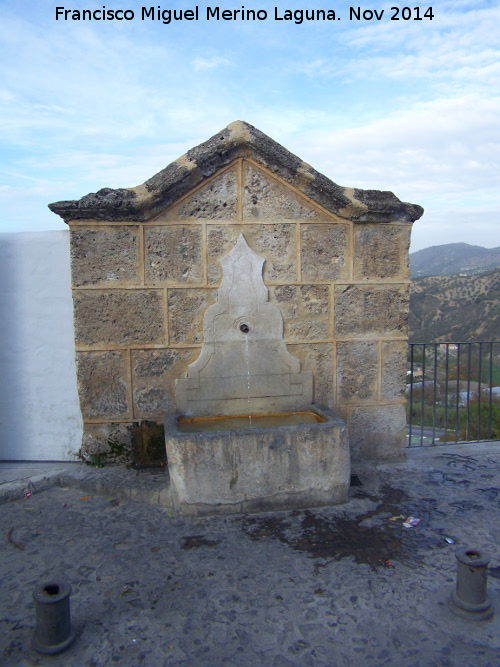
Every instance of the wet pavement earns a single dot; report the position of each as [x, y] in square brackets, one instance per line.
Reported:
[347, 585]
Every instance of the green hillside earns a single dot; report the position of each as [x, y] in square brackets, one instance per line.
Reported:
[455, 308]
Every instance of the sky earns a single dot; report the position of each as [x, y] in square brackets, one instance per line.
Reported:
[411, 106]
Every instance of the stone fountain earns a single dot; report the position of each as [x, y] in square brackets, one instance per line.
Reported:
[280, 451]
[240, 281]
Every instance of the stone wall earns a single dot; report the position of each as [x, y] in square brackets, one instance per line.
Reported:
[142, 282]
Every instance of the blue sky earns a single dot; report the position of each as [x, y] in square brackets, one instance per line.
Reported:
[408, 106]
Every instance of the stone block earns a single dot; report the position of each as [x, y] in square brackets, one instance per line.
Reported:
[220, 240]
[371, 310]
[324, 252]
[344, 412]
[394, 370]
[154, 373]
[381, 251]
[378, 433]
[306, 311]
[318, 359]
[105, 256]
[102, 385]
[357, 371]
[186, 308]
[215, 201]
[278, 245]
[149, 401]
[174, 254]
[265, 198]
[118, 317]
[275, 242]
[107, 443]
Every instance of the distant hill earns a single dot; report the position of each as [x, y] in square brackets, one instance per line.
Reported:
[455, 308]
[453, 259]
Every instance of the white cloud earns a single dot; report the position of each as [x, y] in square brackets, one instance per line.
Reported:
[445, 148]
[443, 155]
[459, 46]
[214, 62]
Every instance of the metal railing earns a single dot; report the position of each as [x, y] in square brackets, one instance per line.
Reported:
[453, 393]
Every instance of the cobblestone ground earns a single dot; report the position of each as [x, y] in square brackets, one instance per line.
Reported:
[337, 586]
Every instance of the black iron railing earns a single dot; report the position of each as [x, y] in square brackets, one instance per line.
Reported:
[453, 392]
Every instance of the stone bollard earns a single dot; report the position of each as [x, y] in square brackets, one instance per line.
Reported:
[470, 599]
[53, 632]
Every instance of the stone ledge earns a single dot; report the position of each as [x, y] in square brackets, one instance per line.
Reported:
[117, 481]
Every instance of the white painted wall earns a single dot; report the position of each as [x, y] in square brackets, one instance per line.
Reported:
[40, 416]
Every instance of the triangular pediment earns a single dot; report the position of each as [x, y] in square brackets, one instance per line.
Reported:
[244, 191]
[293, 187]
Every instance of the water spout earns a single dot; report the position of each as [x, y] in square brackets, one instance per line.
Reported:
[248, 374]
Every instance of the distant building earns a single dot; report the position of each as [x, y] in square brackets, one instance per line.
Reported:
[417, 374]
[451, 347]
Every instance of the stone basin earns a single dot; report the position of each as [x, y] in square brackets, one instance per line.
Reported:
[237, 422]
[258, 468]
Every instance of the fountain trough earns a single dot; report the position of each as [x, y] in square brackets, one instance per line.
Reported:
[260, 467]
